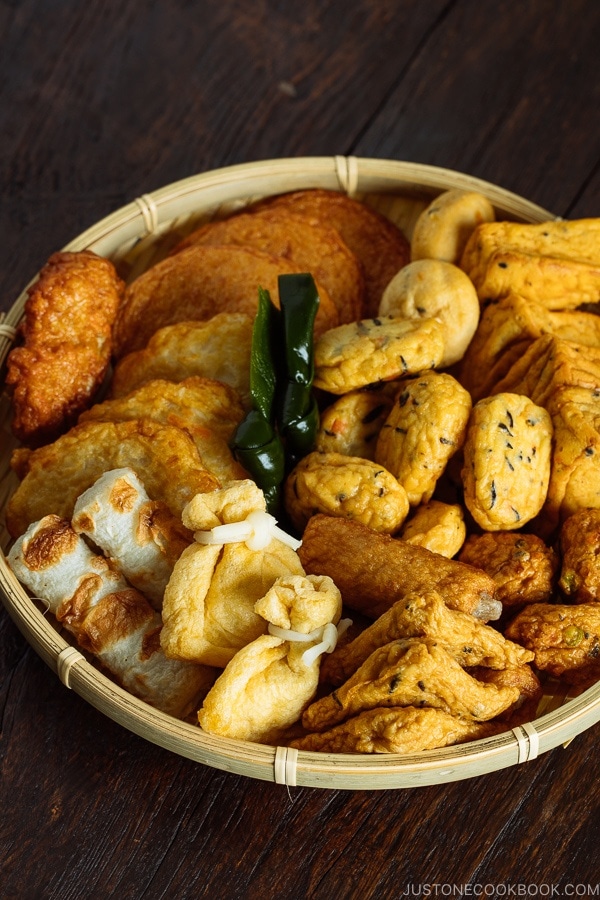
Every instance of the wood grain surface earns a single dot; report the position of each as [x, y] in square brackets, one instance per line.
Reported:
[101, 102]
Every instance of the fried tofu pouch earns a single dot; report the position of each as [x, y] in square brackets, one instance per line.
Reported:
[208, 607]
[425, 615]
[506, 467]
[404, 729]
[266, 686]
[580, 555]
[555, 263]
[374, 570]
[411, 672]
[67, 331]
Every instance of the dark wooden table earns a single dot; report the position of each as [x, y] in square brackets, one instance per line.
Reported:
[101, 102]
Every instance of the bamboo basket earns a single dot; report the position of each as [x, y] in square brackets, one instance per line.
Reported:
[140, 234]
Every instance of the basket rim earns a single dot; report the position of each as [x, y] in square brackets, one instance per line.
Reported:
[146, 216]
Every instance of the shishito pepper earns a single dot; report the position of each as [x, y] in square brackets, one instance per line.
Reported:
[283, 422]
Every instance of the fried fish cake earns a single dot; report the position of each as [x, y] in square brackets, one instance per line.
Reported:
[506, 461]
[436, 526]
[309, 246]
[556, 263]
[164, 457]
[379, 245]
[198, 282]
[425, 615]
[67, 331]
[206, 409]
[372, 350]
[425, 428]
[444, 227]
[522, 565]
[373, 570]
[580, 554]
[218, 348]
[412, 672]
[528, 684]
[352, 423]
[346, 486]
[403, 729]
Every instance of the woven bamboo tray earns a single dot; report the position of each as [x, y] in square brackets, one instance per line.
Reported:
[138, 235]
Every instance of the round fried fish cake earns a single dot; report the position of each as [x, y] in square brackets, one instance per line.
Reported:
[437, 526]
[164, 457]
[199, 282]
[378, 244]
[310, 247]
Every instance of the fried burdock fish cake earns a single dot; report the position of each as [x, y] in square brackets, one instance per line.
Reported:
[309, 246]
[580, 554]
[164, 457]
[412, 672]
[373, 570]
[565, 638]
[67, 332]
[425, 615]
[218, 348]
[436, 526]
[352, 423]
[404, 729]
[379, 245]
[198, 282]
[522, 565]
[524, 709]
[197, 405]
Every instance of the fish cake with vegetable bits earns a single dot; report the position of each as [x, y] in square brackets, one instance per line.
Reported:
[580, 554]
[352, 424]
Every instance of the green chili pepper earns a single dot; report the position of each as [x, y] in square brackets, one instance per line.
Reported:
[259, 449]
[263, 375]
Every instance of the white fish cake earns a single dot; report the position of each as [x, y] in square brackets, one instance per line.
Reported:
[352, 423]
[361, 353]
[506, 467]
[426, 427]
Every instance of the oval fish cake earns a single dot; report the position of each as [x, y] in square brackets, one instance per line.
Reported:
[199, 282]
[506, 461]
[311, 247]
[352, 423]
[355, 355]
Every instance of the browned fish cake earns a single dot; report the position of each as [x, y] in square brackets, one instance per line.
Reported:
[67, 331]
[378, 244]
[580, 552]
[199, 282]
[310, 247]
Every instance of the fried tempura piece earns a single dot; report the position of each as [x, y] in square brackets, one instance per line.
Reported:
[199, 406]
[352, 423]
[67, 331]
[522, 565]
[374, 570]
[556, 263]
[217, 349]
[196, 283]
[564, 638]
[525, 680]
[413, 672]
[400, 730]
[436, 526]
[425, 615]
[309, 246]
[346, 486]
[379, 245]
[580, 553]
[162, 456]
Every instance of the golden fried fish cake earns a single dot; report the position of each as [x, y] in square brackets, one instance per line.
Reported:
[373, 570]
[355, 355]
[580, 554]
[528, 684]
[379, 245]
[309, 246]
[67, 331]
[218, 348]
[352, 423]
[436, 526]
[346, 486]
[444, 227]
[556, 263]
[522, 565]
[412, 672]
[425, 428]
[188, 404]
[564, 637]
[403, 729]
[425, 615]
[198, 282]
[506, 461]
[164, 457]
